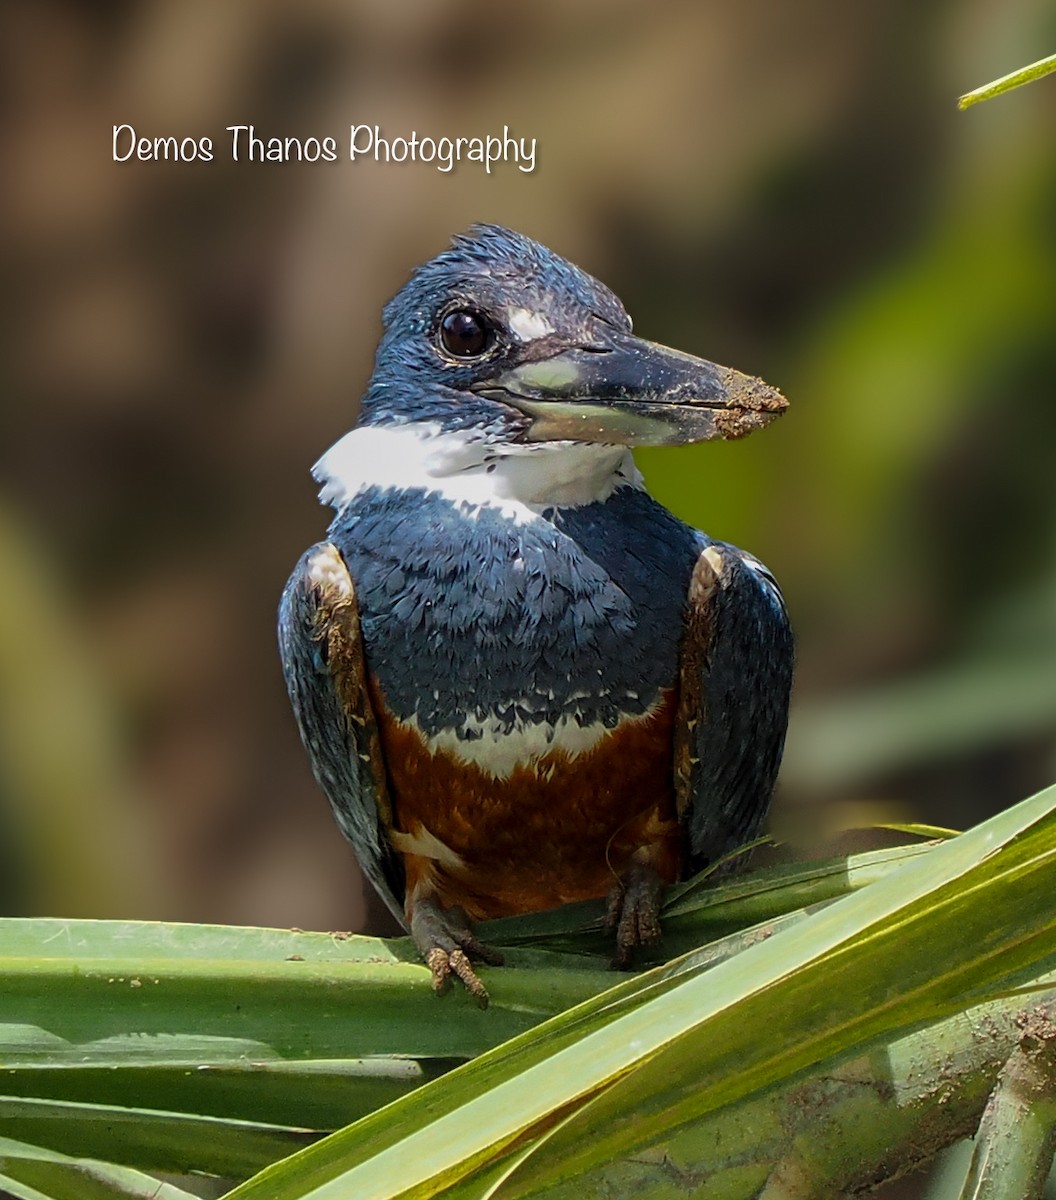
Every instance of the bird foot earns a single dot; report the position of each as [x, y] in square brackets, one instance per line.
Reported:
[633, 912]
[447, 943]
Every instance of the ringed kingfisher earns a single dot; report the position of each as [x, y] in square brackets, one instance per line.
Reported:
[522, 681]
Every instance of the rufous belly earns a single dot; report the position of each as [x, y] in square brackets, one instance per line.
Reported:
[554, 829]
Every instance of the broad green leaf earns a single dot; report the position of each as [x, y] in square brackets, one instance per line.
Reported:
[527, 1050]
[963, 916]
[127, 988]
[293, 1028]
[835, 1131]
[976, 911]
[221, 986]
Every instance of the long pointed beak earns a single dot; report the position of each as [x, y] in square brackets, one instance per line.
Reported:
[633, 392]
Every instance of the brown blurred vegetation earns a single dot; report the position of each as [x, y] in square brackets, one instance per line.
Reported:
[785, 188]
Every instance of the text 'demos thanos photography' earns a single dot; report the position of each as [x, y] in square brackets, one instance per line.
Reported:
[528, 602]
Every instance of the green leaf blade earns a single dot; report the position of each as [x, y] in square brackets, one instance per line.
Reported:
[686, 1049]
[1006, 83]
[32, 1172]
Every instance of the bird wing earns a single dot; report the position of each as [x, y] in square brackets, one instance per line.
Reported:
[735, 674]
[326, 675]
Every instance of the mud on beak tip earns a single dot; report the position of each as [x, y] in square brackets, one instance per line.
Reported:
[749, 393]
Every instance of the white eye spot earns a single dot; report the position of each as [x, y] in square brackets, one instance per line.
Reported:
[526, 326]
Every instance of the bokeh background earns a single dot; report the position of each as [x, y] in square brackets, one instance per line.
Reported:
[787, 188]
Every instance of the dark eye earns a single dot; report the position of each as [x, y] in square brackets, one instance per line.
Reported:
[465, 333]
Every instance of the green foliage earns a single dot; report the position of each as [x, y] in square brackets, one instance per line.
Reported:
[33, 1173]
[169, 1048]
[1006, 83]
[73, 819]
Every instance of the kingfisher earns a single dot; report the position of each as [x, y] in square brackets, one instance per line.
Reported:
[521, 681]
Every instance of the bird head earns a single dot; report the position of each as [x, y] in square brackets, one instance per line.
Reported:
[501, 335]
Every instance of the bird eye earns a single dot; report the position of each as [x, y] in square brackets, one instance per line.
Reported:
[464, 333]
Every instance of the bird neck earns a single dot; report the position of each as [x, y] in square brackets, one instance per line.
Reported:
[468, 468]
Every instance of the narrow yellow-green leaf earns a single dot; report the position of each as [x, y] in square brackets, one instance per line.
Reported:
[16, 1190]
[147, 1139]
[32, 1172]
[1006, 83]
[702, 908]
[938, 833]
[766, 894]
[318, 1093]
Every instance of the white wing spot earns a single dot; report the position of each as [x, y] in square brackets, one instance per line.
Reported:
[326, 569]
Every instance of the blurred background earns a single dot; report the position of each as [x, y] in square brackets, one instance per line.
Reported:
[788, 189]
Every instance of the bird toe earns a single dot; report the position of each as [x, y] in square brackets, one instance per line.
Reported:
[633, 912]
[448, 944]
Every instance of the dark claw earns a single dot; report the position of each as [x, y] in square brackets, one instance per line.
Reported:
[633, 912]
[447, 942]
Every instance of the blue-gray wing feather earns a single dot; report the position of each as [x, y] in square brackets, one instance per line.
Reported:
[735, 676]
[325, 670]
